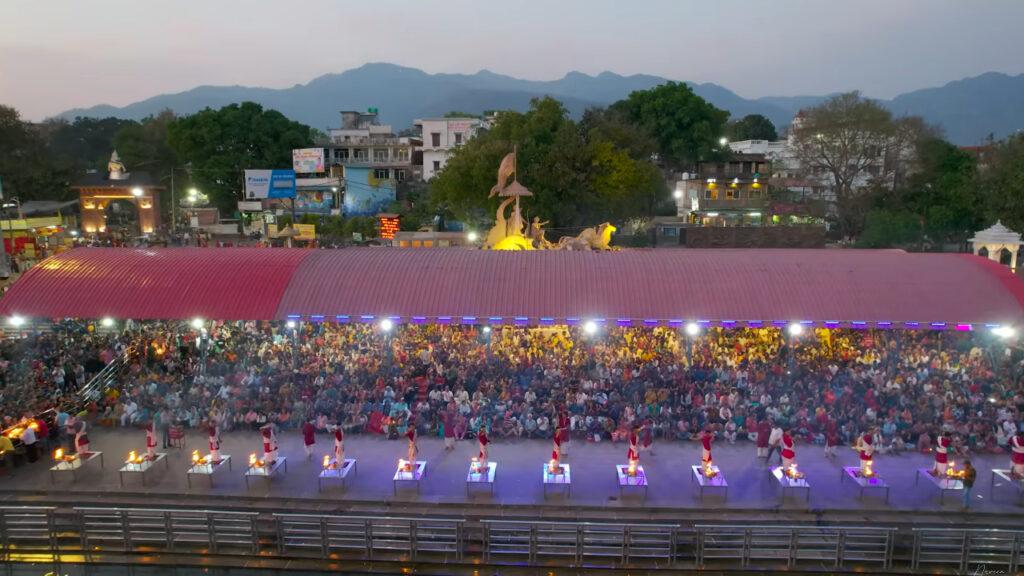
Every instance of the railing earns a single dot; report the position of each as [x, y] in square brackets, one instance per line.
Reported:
[187, 536]
[106, 377]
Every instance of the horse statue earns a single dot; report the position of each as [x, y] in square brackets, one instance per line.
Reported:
[598, 238]
[500, 229]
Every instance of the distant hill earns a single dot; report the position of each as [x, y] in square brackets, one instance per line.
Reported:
[969, 109]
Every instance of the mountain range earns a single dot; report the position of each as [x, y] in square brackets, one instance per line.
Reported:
[967, 110]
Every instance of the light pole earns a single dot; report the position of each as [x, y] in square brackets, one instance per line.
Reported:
[9, 256]
[692, 331]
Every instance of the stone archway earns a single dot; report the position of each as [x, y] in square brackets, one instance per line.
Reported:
[983, 252]
[1006, 258]
[122, 217]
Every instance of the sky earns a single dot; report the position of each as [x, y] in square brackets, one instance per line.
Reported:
[61, 54]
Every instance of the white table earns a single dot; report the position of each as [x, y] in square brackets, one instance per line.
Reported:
[141, 468]
[335, 472]
[414, 475]
[716, 481]
[561, 478]
[942, 482]
[75, 465]
[1012, 481]
[208, 469]
[872, 482]
[484, 477]
[266, 472]
[638, 480]
[793, 484]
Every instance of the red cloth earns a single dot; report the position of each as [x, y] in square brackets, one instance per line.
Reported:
[1017, 445]
[867, 440]
[764, 430]
[787, 447]
[482, 438]
[941, 450]
[308, 434]
[705, 441]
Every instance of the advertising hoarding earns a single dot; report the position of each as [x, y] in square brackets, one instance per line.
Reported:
[308, 160]
[261, 184]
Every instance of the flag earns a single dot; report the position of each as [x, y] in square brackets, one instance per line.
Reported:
[505, 171]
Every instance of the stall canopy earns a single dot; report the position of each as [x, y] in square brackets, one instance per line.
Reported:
[886, 288]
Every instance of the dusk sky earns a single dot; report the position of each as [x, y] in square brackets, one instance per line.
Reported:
[59, 54]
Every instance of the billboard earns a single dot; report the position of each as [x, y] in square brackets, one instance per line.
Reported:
[319, 201]
[260, 184]
[308, 160]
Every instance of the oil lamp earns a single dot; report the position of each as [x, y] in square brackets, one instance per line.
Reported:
[327, 462]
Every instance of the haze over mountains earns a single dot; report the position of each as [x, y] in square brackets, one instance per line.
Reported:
[968, 110]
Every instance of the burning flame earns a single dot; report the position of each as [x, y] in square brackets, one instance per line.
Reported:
[327, 461]
[553, 466]
[58, 454]
[709, 470]
[253, 461]
[868, 472]
[133, 458]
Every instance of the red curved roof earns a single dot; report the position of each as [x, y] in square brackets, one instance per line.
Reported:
[164, 284]
[425, 284]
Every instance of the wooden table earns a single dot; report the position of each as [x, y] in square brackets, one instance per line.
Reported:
[414, 475]
[943, 483]
[142, 467]
[1012, 481]
[716, 481]
[793, 484]
[483, 477]
[638, 480]
[561, 478]
[335, 472]
[874, 482]
[266, 472]
[75, 465]
[208, 469]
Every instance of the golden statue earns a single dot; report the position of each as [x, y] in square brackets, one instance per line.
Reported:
[115, 167]
[599, 238]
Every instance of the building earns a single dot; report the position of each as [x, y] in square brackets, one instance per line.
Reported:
[441, 136]
[364, 142]
[730, 193]
[430, 239]
[119, 202]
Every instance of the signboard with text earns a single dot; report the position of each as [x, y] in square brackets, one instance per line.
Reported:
[308, 160]
[260, 184]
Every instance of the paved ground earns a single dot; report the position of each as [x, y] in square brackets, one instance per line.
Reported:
[751, 488]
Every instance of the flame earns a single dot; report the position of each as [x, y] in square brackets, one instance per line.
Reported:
[133, 458]
[253, 461]
[327, 461]
[867, 469]
[58, 454]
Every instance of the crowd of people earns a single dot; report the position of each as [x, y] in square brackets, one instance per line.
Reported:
[823, 387]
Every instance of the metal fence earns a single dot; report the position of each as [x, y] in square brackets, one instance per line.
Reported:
[189, 535]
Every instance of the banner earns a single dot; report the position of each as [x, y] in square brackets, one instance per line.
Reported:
[308, 160]
[306, 231]
[260, 184]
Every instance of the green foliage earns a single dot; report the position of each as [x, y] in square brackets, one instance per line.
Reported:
[578, 176]
[1002, 184]
[751, 127]
[144, 146]
[221, 144]
[28, 170]
[685, 127]
[887, 229]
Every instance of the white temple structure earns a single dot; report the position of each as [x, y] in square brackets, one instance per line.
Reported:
[997, 243]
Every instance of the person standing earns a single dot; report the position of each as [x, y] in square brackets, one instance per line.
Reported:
[163, 424]
[482, 441]
[970, 474]
[309, 437]
[563, 425]
[81, 438]
[866, 449]
[269, 443]
[414, 450]
[831, 438]
[150, 442]
[764, 431]
[557, 439]
[1017, 455]
[706, 437]
[339, 446]
[213, 437]
[633, 455]
[449, 430]
[788, 452]
[774, 441]
[941, 454]
[647, 437]
[28, 439]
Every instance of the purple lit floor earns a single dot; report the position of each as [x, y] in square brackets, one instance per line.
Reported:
[518, 481]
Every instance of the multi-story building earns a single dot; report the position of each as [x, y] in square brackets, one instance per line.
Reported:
[730, 193]
[364, 142]
[441, 136]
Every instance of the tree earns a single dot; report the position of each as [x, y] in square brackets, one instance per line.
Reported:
[751, 127]
[83, 144]
[26, 166]
[856, 146]
[1002, 183]
[221, 144]
[578, 177]
[145, 146]
[685, 127]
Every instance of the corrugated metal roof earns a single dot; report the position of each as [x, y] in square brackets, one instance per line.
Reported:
[785, 285]
[169, 283]
[819, 285]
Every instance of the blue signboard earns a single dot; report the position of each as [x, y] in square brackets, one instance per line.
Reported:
[260, 184]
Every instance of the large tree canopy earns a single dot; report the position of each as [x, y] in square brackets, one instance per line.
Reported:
[220, 144]
[685, 127]
[28, 170]
[1002, 183]
[579, 176]
[751, 127]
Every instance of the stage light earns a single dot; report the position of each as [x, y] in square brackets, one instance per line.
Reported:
[692, 329]
[197, 323]
[796, 329]
[1004, 332]
[137, 192]
[678, 194]
[386, 324]
[290, 324]
[107, 322]
[16, 321]
[472, 237]
[487, 329]
[590, 327]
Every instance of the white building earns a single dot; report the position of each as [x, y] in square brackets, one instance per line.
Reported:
[441, 136]
[363, 141]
